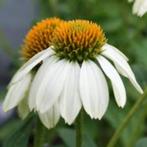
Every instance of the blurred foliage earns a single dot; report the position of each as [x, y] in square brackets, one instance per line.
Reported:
[19, 136]
[129, 34]
[141, 143]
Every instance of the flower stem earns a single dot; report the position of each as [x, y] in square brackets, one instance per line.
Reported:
[40, 134]
[79, 130]
[126, 120]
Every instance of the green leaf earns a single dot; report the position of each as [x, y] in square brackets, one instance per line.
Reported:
[87, 141]
[20, 136]
[131, 131]
[8, 127]
[68, 136]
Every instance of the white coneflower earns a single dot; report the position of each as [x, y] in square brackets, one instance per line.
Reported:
[139, 7]
[70, 75]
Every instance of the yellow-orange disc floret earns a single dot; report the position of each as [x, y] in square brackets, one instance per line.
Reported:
[39, 37]
[78, 40]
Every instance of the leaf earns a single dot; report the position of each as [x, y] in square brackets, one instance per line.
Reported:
[91, 127]
[87, 141]
[8, 127]
[68, 136]
[141, 142]
[132, 131]
[115, 117]
[20, 136]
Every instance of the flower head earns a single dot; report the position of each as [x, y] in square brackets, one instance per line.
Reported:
[71, 75]
[78, 40]
[39, 37]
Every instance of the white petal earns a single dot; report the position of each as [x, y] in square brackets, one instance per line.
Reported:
[93, 90]
[16, 92]
[113, 50]
[41, 74]
[23, 108]
[30, 64]
[117, 84]
[51, 85]
[51, 117]
[124, 68]
[140, 7]
[120, 70]
[70, 103]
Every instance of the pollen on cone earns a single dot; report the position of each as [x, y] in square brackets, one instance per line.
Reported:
[78, 39]
[39, 37]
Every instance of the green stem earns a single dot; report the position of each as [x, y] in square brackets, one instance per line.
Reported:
[126, 120]
[40, 134]
[79, 130]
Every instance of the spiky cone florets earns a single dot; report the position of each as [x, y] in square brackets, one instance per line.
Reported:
[78, 40]
[39, 37]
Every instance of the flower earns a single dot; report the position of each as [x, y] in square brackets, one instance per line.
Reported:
[139, 7]
[70, 75]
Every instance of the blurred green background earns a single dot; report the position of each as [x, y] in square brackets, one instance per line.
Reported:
[123, 30]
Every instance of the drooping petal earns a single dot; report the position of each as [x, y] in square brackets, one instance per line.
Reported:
[30, 64]
[16, 92]
[41, 74]
[124, 68]
[70, 103]
[114, 51]
[51, 86]
[117, 84]
[23, 108]
[140, 7]
[51, 117]
[120, 70]
[93, 90]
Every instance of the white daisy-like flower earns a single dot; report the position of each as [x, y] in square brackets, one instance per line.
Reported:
[139, 7]
[70, 74]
